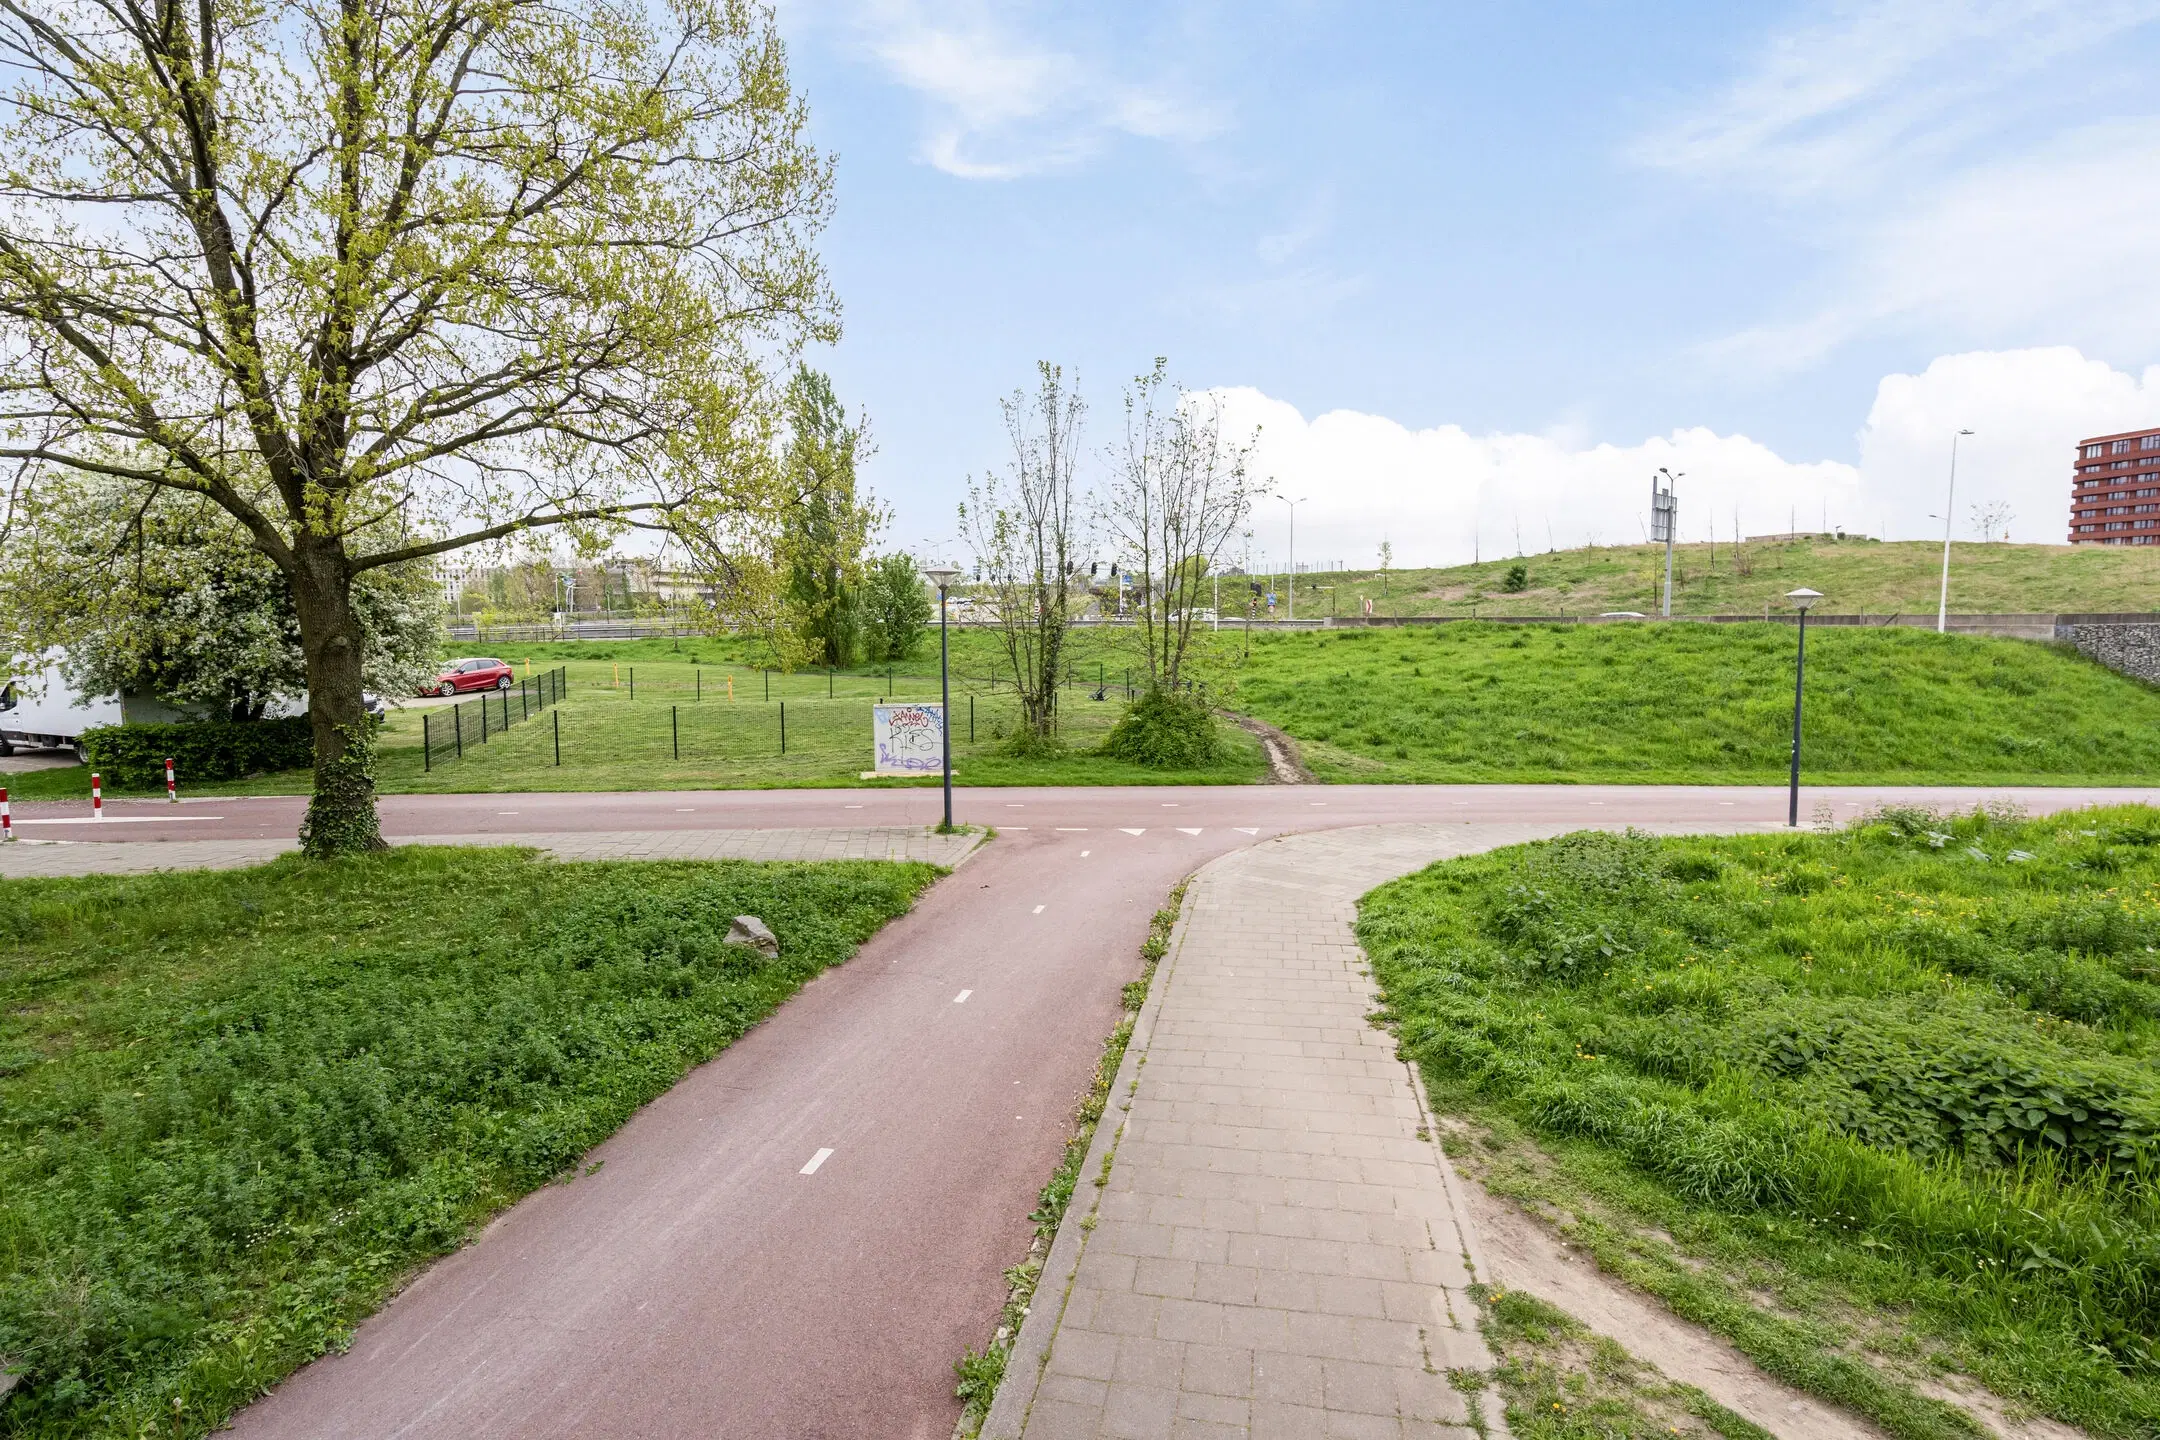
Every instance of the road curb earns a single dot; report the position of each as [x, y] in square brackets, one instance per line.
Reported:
[1031, 1348]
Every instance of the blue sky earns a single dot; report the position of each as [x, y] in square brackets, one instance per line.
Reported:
[1458, 259]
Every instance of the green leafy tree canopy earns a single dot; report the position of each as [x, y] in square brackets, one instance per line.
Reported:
[383, 279]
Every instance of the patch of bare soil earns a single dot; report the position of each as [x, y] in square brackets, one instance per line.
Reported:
[1514, 1249]
[1286, 765]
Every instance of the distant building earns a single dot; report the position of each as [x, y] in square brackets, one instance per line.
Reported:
[2115, 493]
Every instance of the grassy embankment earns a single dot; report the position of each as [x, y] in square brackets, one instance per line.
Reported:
[1859, 577]
[1699, 703]
[1879, 1105]
[238, 1108]
[1469, 702]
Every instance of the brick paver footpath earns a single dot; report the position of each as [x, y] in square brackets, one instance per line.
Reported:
[26, 859]
[1275, 1252]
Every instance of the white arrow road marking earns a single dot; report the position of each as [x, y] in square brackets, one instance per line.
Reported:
[1183, 831]
[816, 1160]
[961, 998]
[1133, 832]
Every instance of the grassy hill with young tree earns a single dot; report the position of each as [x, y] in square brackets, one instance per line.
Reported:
[1857, 576]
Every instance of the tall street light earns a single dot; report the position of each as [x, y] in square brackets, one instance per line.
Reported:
[1942, 606]
[1803, 598]
[942, 576]
[1293, 504]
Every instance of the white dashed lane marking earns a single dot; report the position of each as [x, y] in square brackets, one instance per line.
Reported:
[816, 1160]
[961, 998]
[1184, 831]
[1246, 829]
[1134, 832]
[1038, 909]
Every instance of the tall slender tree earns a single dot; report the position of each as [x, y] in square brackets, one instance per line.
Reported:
[1027, 533]
[1178, 496]
[827, 523]
[384, 279]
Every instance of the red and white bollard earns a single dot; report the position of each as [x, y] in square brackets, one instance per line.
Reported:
[97, 796]
[172, 790]
[7, 821]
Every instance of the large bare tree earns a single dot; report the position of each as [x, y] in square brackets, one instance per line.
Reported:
[1027, 533]
[388, 278]
[1178, 495]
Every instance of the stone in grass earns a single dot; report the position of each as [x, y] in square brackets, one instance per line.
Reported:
[751, 931]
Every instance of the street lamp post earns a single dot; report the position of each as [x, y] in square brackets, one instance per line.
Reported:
[942, 576]
[1293, 504]
[1664, 523]
[1942, 606]
[1803, 598]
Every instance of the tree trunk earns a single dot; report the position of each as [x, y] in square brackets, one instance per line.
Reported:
[341, 817]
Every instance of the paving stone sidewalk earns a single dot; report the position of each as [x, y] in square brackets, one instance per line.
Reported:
[25, 859]
[1276, 1252]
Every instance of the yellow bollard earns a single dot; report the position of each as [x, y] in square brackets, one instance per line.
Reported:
[731, 689]
[616, 683]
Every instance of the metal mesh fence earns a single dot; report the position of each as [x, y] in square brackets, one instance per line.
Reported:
[445, 732]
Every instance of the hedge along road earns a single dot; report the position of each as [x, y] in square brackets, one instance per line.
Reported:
[802, 1236]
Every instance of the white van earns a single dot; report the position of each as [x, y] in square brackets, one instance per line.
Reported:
[47, 713]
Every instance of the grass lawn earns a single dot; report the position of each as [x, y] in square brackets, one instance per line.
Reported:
[1698, 703]
[238, 1108]
[656, 715]
[1866, 577]
[1470, 702]
[1877, 1105]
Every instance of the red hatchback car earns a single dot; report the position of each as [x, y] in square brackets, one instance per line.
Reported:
[474, 675]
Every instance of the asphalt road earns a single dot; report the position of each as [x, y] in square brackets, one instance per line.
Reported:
[1270, 808]
[699, 1282]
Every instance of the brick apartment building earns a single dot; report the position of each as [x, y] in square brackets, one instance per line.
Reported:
[2115, 494]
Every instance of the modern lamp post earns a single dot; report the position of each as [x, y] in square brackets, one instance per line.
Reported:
[1942, 606]
[942, 576]
[1293, 504]
[1803, 597]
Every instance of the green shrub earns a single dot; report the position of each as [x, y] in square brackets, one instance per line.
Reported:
[135, 755]
[1930, 1037]
[1167, 732]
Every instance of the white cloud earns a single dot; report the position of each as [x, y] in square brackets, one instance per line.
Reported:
[1002, 102]
[2027, 409]
[1441, 494]
[1870, 89]
[1972, 172]
[2058, 240]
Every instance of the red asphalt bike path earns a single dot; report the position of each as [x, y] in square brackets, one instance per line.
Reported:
[697, 1283]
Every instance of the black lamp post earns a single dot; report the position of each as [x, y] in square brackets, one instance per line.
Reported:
[942, 576]
[1803, 598]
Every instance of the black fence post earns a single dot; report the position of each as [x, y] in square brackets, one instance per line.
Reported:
[783, 727]
[483, 719]
[768, 683]
[427, 745]
[457, 729]
[828, 682]
[971, 718]
[674, 725]
[556, 716]
[633, 682]
[697, 676]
